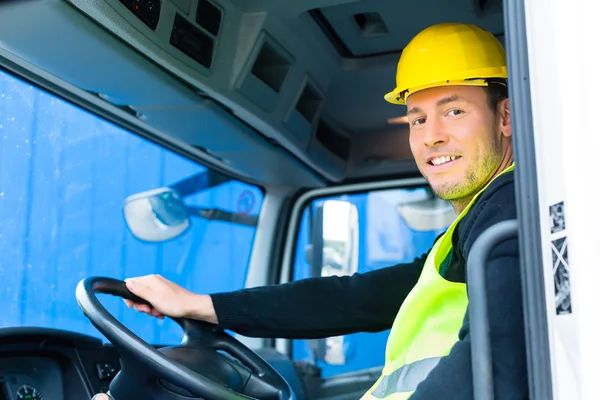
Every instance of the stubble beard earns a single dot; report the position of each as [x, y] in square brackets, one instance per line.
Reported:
[478, 174]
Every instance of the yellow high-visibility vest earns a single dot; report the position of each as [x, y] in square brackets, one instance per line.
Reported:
[427, 324]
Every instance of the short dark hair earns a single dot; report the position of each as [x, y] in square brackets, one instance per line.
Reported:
[497, 90]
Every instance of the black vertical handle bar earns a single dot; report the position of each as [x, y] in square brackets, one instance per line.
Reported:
[481, 353]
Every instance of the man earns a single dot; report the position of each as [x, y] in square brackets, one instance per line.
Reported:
[452, 78]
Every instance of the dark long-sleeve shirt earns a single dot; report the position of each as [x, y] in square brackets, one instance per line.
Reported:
[369, 302]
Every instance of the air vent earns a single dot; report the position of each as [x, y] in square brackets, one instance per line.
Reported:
[192, 41]
[301, 120]
[309, 103]
[335, 143]
[271, 67]
[147, 11]
[264, 78]
[370, 24]
[209, 17]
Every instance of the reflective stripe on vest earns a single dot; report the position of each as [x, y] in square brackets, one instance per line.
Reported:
[427, 324]
[405, 378]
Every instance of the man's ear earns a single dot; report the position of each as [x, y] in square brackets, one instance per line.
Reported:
[504, 118]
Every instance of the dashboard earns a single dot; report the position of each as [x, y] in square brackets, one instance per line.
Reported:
[49, 364]
[52, 364]
[32, 378]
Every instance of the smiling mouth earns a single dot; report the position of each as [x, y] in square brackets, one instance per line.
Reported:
[442, 160]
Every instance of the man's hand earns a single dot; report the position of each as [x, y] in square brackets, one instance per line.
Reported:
[168, 298]
[102, 396]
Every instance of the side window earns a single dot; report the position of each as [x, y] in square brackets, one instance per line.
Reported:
[358, 233]
[81, 197]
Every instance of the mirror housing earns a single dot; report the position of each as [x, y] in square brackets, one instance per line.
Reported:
[429, 213]
[156, 215]
[340, 238]
[333, 252]
[334, 239]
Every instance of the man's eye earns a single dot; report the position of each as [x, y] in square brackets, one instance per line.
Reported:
[454, 113]
[418, 121]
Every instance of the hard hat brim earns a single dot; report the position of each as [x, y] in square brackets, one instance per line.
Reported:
[399, 95]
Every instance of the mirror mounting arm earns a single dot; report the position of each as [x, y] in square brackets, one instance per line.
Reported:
[199, 182]
[217, 214]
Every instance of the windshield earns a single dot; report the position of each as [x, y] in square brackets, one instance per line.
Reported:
[65, 175]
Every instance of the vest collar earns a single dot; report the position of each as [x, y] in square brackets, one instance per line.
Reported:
[474, 199]
[446, 238]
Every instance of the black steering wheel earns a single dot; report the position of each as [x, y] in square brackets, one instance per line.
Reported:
[196, 368]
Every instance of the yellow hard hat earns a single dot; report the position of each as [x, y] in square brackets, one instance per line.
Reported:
[448, 54]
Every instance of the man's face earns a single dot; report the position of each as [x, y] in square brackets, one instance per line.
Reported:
[458, 141]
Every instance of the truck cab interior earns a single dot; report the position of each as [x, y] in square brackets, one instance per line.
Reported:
[222, 144]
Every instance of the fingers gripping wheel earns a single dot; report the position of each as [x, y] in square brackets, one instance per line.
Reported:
[197, 367]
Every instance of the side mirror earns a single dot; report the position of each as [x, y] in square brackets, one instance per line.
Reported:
[428, 213]
[333, 251]
[334, 239]
[156, 215]
[340, 238]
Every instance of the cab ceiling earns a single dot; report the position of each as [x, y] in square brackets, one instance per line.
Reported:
[283, 92]
[370, 36]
